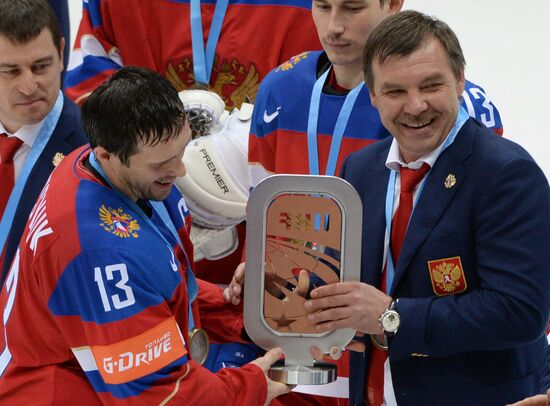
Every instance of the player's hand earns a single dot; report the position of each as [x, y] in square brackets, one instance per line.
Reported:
[353, 305]
[233, 293]
[538, 400]
[274, 389]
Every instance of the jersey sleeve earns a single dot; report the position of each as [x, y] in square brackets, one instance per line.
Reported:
[480, 107]
[222, 321]
[94, 57]
[116, 312]
[263, 131]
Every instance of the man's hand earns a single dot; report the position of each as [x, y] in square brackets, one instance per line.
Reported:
[274, 389]
[232, 294]
[353, 305]
[538, 400]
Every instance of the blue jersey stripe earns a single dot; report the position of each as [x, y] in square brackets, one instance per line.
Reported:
[94, 9]
[134, 388]
[83, 72]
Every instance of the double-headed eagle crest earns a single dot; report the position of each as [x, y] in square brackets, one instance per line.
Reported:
[447, 276]
[118, 223]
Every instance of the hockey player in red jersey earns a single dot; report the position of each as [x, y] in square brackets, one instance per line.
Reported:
[103, 271]
[167, 36]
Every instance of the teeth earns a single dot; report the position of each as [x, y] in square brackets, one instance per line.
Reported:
[417, 125]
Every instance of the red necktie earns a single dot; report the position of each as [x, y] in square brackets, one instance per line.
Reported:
[8, 147]
[374, 393]
[409, 179]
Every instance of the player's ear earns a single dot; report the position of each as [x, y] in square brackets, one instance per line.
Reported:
[101, 154]
[394, 6]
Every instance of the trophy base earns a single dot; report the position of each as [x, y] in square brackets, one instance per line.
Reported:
[319, 374]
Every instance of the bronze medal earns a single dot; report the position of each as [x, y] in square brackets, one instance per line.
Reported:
[198, 345]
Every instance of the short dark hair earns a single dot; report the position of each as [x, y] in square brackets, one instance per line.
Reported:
[404, 33]
[133, 105]
[23, 20]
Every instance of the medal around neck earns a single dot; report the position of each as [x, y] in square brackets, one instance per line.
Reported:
[303, 232]
[203, 108]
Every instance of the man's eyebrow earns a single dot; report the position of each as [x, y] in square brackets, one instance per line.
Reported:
[8, 65]
[432, 77]
[42, 60]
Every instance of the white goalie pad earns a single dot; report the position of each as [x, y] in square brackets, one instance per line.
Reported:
[216, 183]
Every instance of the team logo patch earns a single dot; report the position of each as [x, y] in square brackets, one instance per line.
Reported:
[118, 223]
[447, 276]
[140, 356]
[292, 62]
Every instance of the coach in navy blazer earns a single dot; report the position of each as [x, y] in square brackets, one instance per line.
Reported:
[484, 207]
[67, 136]
[489, 340]
[31, 64]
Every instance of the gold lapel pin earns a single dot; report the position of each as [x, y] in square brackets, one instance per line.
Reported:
[57, 158]
[450, 181]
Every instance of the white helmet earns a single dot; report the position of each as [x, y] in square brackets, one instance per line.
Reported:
[204, 110]
[215, 186]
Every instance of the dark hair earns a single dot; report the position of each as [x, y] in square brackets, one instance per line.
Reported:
[133, 105]
[23, 20]
[404, 33]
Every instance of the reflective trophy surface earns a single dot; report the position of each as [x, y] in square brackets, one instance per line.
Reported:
[303, 232]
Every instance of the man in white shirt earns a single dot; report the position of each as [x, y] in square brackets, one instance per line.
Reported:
[38, 125]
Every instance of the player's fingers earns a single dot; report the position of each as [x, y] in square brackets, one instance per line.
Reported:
[268, 359]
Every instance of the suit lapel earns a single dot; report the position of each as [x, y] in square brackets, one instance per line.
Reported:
[439, 190]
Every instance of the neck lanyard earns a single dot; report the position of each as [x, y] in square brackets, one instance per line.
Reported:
[390, 195]
[339, 128]
[160, 209]
[36, 151]
[203, 59]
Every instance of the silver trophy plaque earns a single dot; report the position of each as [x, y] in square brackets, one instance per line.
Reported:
[302, 232]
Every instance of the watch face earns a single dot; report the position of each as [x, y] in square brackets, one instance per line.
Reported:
[198, 346]
[390, 321]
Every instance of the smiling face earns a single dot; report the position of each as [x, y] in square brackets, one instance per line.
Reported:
[150, 173]
[417, 97]
[343, 26]
[30, 78]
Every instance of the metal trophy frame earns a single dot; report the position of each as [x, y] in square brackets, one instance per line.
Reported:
[299, 367]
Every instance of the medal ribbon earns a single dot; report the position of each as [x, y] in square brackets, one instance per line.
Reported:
[461, 118]
[339, 128]
[160, 209]
[203, 59]
[36, 151]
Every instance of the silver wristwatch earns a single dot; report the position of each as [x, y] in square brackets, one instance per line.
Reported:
[390, 320]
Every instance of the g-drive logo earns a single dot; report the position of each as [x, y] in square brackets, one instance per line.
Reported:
[141, 355]
[153, 350]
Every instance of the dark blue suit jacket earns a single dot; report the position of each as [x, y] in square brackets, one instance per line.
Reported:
[67, 135]
[484, 346]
